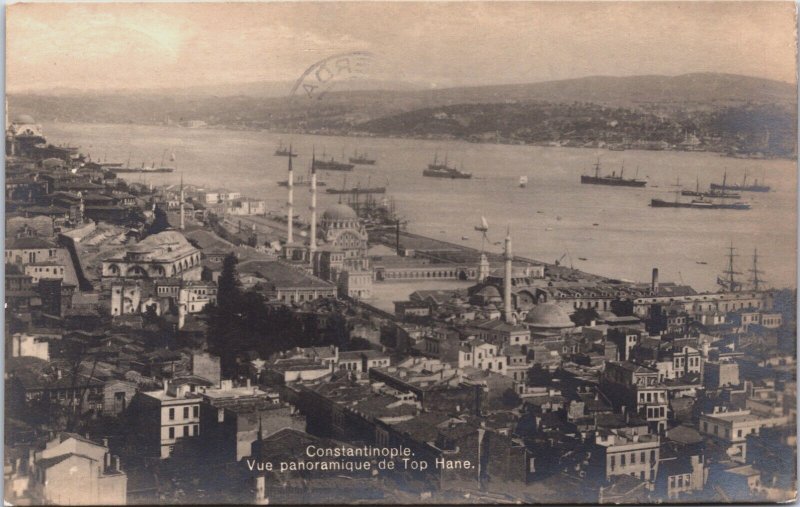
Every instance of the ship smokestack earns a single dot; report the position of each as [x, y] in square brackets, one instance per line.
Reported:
[654, 284]
[290, 201]
[507, 279]
[312, 247]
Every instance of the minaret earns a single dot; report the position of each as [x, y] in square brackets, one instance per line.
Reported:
[312, 246]
[183, 222]
[507, 279]
[290, 202]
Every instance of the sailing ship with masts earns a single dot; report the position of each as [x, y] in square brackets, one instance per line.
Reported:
[612, 179]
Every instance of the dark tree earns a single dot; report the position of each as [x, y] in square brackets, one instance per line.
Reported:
[160, 222]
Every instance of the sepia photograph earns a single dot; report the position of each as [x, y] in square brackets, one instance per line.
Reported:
[400, 252]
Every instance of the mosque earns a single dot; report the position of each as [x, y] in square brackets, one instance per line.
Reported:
[338, 251]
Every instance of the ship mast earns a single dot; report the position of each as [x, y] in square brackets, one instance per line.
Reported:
[755, 280]
[729, 283]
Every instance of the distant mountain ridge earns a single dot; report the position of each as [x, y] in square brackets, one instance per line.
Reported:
[704, 86]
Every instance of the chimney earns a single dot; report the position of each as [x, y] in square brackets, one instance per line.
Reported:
[654, 285]
[312, 246]
[290, 201]
[507, 279]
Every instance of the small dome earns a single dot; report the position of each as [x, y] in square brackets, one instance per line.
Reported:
[548, 315]
[489, 291]
[23, 119]
[339, 212]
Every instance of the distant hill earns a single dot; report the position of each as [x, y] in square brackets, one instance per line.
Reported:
[762, 110]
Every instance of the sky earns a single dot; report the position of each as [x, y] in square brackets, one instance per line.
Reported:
[432, 44]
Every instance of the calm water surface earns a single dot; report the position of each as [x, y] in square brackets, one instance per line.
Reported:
[553, 216]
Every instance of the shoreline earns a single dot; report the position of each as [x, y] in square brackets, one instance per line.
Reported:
[432, 138]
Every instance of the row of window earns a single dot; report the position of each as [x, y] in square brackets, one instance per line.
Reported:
[195, 412]
[188, 431]
[623, 458]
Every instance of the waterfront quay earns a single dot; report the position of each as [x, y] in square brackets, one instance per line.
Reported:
[176, 343]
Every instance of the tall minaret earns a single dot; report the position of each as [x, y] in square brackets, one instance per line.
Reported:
[312, 246]
[507, 279]
[290, 202]
[183, 222]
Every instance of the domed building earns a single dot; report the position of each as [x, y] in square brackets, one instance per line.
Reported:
[339, 254]
[22, 134]
[163, 255]
[548, 319]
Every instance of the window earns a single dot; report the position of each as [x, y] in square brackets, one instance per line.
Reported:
[195, 411]
[171, 414]
[642, 457]
[633, 458]
[613, 462]
[172, 433]
[185, 412]
[739, 433]
[185, 431]
[196, 429]
[652, 456]
[622, 460]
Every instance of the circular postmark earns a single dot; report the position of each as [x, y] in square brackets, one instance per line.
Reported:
[323, 76]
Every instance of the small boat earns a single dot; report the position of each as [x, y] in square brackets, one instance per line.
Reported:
[523, 181]
[701, 262]
[464, 238]
[595, 224]
[540, 212]
[582, 259]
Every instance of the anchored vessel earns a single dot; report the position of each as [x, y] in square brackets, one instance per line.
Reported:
[284, 151]
[612, 179]
[361, 159]
[712, 194]
[744, 187]
[437, 170]
[333, 165]
[698, 204]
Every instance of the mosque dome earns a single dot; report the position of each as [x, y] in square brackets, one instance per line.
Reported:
[23, 119]
[548, 315]
[339, 212]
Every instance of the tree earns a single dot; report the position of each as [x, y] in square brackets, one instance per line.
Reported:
[584, 316]
[160, 222]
